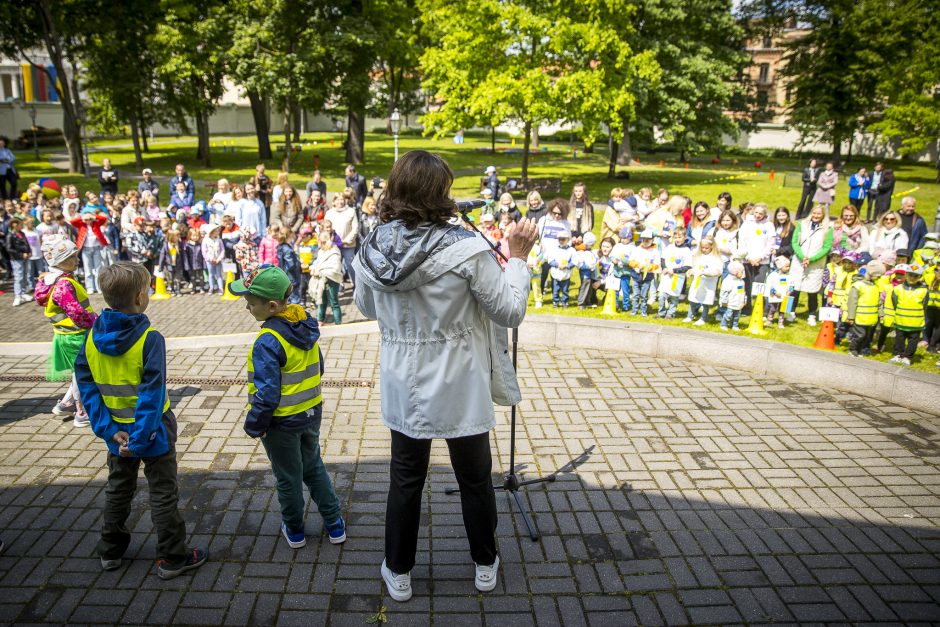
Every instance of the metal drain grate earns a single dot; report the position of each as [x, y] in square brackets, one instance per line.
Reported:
[327, 383]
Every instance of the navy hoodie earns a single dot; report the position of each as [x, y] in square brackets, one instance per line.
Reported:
[151, 434]
[269, 357]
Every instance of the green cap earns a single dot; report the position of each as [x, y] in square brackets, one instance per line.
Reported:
[265, 281]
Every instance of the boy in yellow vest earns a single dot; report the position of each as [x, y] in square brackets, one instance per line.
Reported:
[909, 301]
[121, 373]
[284, 401]
[864, 299]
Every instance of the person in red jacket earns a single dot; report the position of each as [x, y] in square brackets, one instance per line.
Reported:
[91, 241]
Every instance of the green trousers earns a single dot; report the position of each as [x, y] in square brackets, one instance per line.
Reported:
[295, 459]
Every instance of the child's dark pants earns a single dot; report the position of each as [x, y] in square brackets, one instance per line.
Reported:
[905, 342]
[164, 495]
[860, 337]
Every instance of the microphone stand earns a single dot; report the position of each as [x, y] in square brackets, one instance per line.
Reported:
[512, 483]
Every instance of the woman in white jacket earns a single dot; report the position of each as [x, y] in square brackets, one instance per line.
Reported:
[443, 304]
[756, 241]
[888, 236]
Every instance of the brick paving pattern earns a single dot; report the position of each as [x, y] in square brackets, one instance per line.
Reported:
[186, 315]
[710, 497]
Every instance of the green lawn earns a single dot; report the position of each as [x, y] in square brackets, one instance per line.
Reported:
[703, 180]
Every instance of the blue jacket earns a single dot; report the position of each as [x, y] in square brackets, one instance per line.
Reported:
[858, 187]
[268, 358]
[150, 435]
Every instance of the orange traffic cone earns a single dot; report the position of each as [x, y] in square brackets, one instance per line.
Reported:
[826, 340]
[610, 303]
[159, 292]
[226, 294]
[686, 165]
[772, 174]
[756, 326]
[660, 163]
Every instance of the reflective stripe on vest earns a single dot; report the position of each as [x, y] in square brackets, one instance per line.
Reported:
[909, 312]
[933, 298]
[61, 323]
[866, 310]
[300, 378]
[118, 377]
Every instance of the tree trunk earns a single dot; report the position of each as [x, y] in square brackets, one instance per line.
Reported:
[202, 132]
[261, 116]
[682, 155]
[848, 157]
[612, 150]
[135, 135]
[67, 89]
[525, 151]
[535, 137]
[355, 137]
[493, 140]
[285, 163]
[296, 113]
[837, 151]
[625, 151]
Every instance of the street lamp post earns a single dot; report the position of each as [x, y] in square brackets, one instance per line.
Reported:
[86, 165]
[395, 121]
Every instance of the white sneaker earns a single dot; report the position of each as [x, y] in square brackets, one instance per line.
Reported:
[538, 303]
[81, 419]
[687, 320]
[895, 360]
[905, 361]
[17, 301]
[811, 321]
[27, 297]
[791, 317]
[399, 586]
[63, 410]
[487, 576]
[699, 323]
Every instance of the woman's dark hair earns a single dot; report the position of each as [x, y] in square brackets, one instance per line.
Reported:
[418, 190]
[788, 228]
[561, 204]
[726, 196]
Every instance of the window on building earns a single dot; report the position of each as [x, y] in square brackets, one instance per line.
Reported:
[789, 94]
[764, 76]
[6, 87]
[768, 41]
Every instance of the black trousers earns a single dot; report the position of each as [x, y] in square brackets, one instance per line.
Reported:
[806, 202]
[872, 197]
[857, 203]
[164, 512]
[860, 337]
[905, 342]
[8, 183]
[408, 470]
[932, 327]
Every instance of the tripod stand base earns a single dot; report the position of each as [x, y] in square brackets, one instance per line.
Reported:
[512, 485]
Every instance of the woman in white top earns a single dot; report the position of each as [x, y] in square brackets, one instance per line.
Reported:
[888, 236]
[756, 241]
[812, 242]
[345, 224]
[279, 188]
[220, 200]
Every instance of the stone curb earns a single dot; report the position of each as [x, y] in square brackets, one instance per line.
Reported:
[894, 384]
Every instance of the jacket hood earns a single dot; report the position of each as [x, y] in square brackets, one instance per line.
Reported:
[295, 326]
[393, 256]
[114, 332]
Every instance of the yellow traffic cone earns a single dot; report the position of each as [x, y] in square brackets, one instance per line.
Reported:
[756, 326]
[159, 292]
[226, 294]
[610, 303]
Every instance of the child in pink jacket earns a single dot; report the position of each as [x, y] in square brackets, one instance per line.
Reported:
[267, 249]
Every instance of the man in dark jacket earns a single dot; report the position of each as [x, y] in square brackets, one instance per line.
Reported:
[810, 176]
[108, 178]
[357, 183]
[492, 181]
[914, 225]
[148, 184]
[182, 176]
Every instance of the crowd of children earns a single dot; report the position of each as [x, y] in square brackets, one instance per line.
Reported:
[190, 246]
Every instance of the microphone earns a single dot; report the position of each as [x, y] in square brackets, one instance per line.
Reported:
[466, 206]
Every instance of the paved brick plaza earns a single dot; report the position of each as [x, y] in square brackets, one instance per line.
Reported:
[763, 502]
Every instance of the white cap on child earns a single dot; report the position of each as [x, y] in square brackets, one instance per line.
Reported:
[589, 239]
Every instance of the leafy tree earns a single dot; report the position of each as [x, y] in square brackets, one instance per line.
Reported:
[399, 45]
[278, 50]
[530, 62]
[699, 46]
[58, 26]
[908, 35]
[189, 47]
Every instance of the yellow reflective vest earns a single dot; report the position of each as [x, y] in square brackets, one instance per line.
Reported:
[300, 377]
[909, 306]
[842, 281]
[866, 309]
[61, 323]
[118, 377]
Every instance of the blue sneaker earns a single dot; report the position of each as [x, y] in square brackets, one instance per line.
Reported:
[337, 531]
[295, 540]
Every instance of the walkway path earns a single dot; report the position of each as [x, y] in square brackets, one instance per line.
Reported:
[766, 502]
